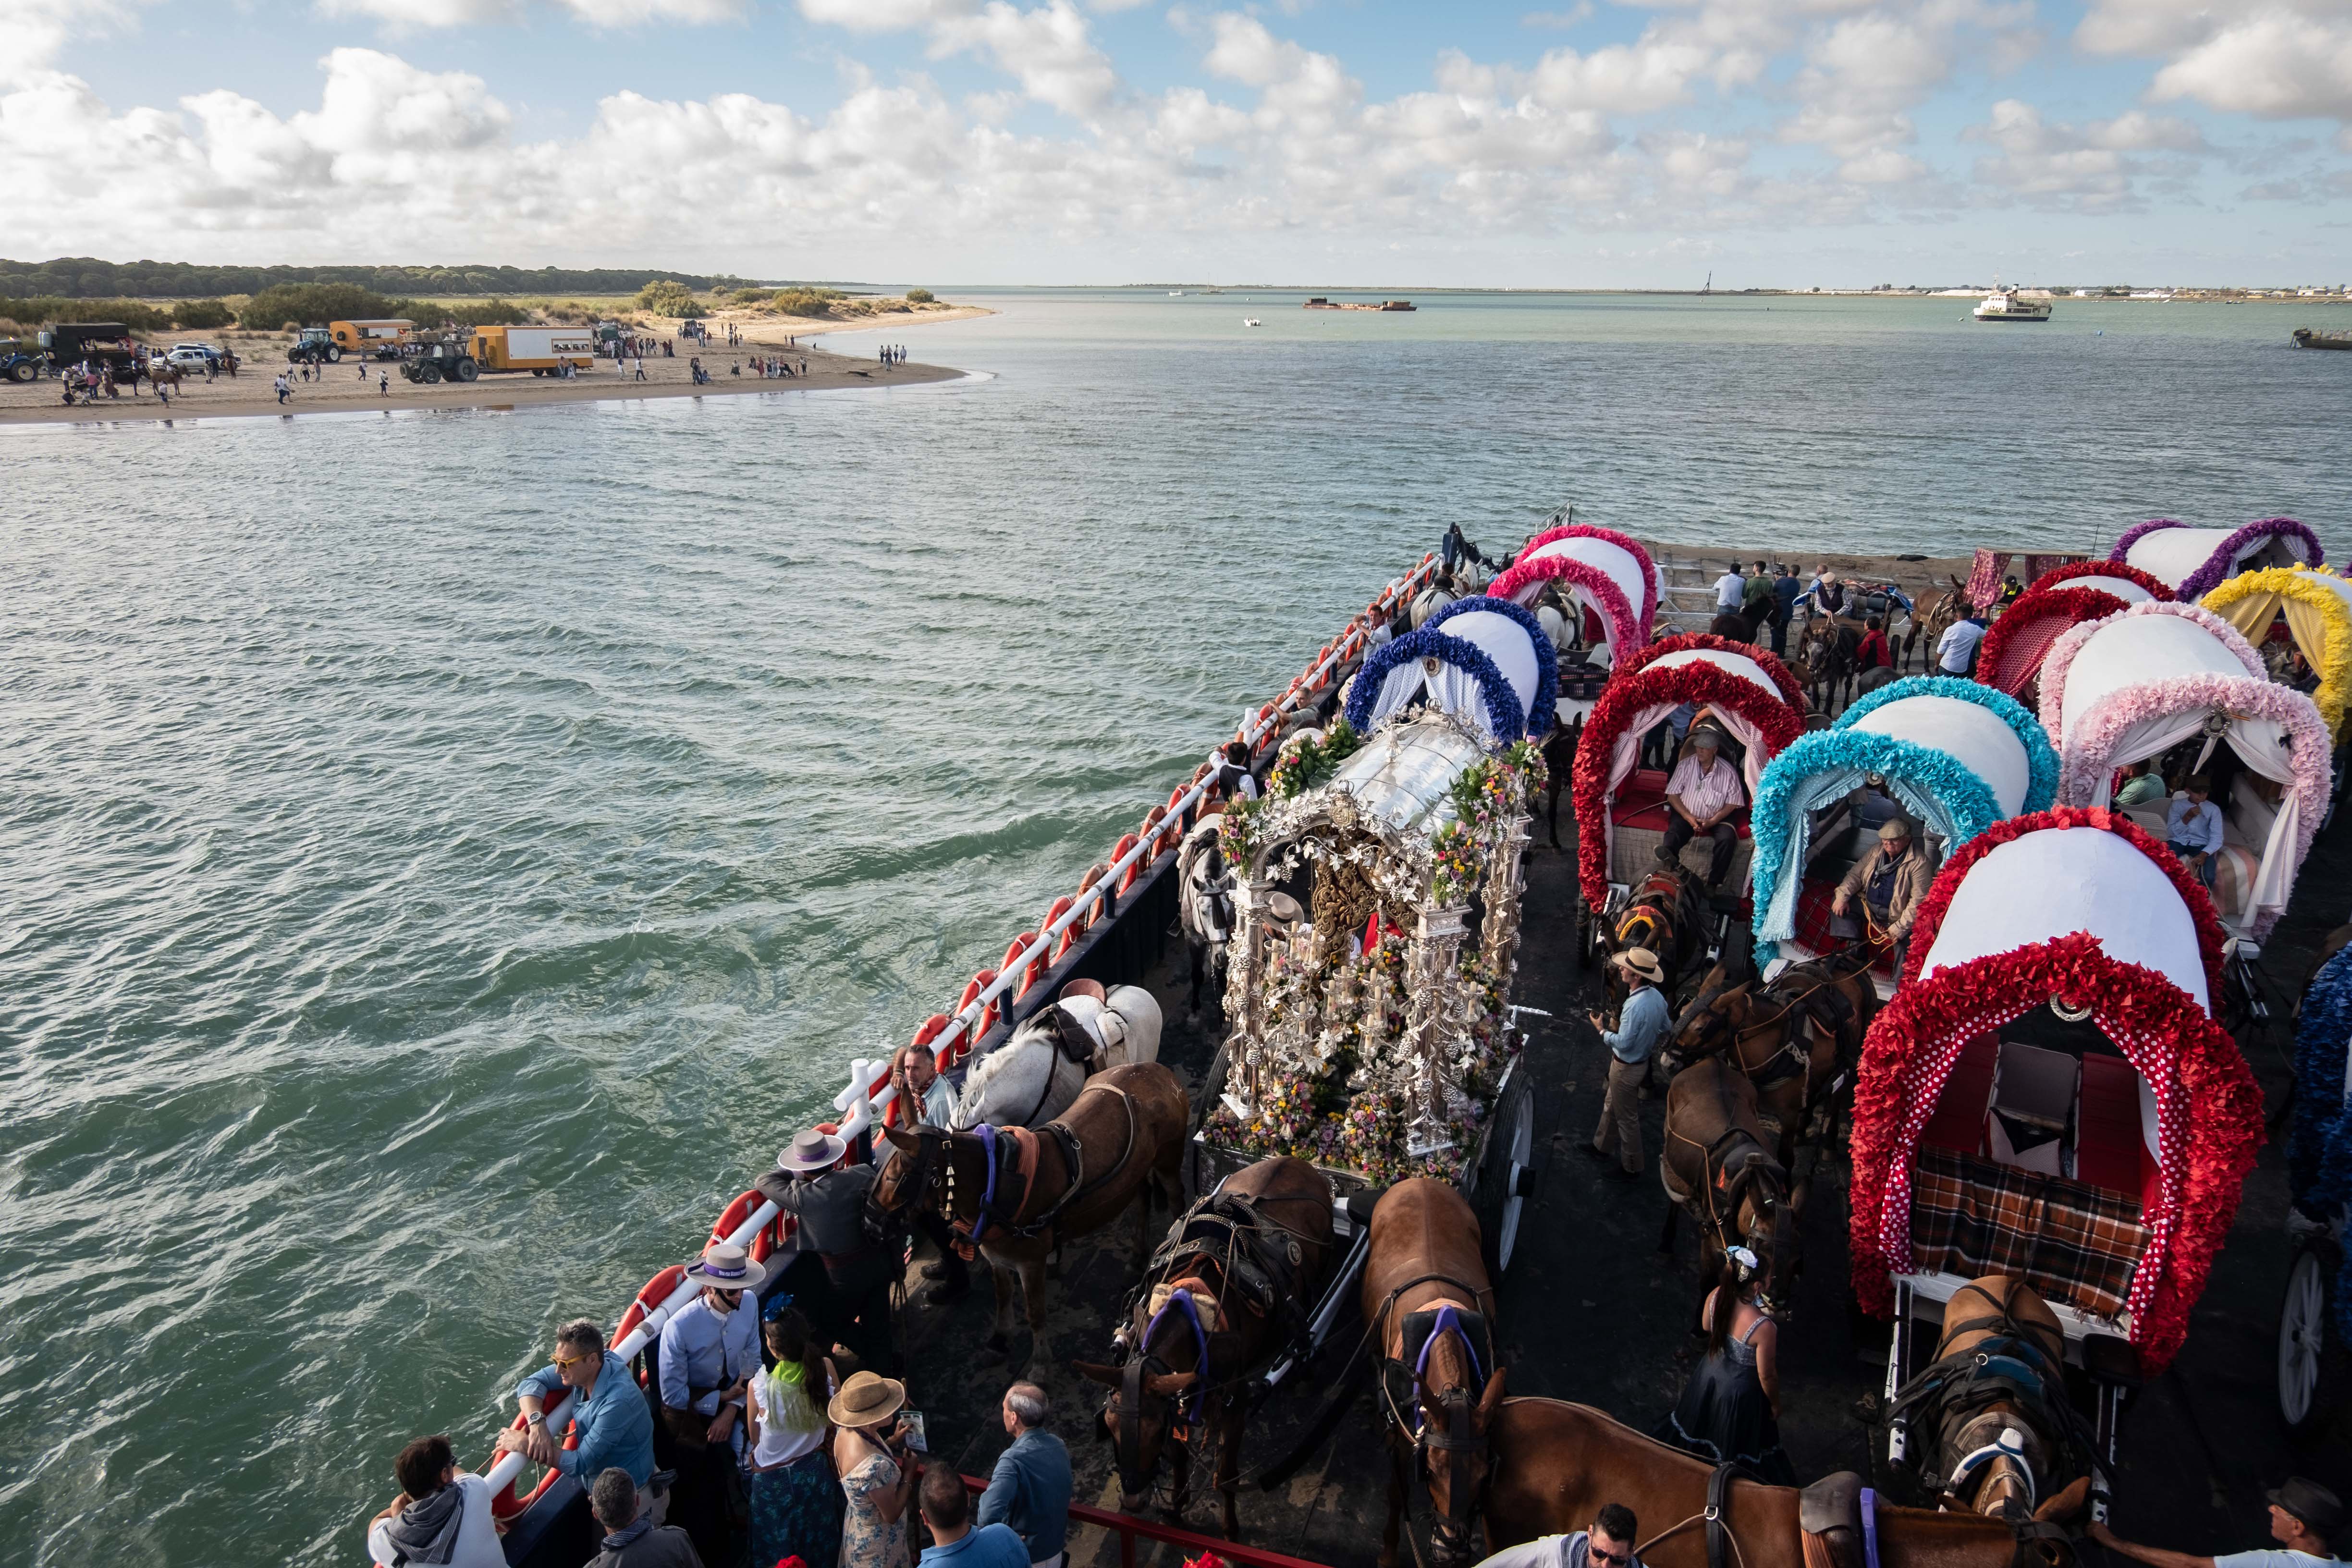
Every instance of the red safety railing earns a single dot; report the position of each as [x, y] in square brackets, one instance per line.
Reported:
[1126, 1527]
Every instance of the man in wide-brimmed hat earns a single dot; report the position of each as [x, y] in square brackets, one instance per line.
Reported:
[709, 1353]
[2305, 1519]
[828, 1199]
[1641, 1027]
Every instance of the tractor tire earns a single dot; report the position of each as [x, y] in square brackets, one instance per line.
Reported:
[429, 373]
[333, 353]
[21, 371]
[464, 369]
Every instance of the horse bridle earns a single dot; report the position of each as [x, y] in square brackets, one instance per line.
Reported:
[1458, 1443]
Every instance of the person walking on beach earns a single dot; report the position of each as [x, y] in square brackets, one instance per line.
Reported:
[282, 388]
[382, 383]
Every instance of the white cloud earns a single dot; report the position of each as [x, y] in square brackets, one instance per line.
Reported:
[2274, 59]
[401, 16]
[2090, 167]
[1049, 51]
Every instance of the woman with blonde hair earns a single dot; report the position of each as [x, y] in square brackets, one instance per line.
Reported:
[795, 1506]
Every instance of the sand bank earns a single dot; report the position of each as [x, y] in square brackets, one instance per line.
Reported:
[356, 387]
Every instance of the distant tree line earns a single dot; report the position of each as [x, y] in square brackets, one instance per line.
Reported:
[84, 278]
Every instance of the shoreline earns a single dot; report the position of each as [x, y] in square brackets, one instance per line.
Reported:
[378, 389]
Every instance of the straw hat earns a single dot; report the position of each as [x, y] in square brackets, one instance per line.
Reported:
[728, 1267]
[812, 1152]
[1641, 960]
[867, 1399]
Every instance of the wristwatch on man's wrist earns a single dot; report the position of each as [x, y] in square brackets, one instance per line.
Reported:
[536, 1419]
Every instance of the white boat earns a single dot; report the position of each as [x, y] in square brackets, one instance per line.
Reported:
[1250, 322]
[1175, 293]
[2006, 305]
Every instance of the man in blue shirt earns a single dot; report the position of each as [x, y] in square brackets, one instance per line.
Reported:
[2193, 825]
[709, 1353]
[1785, 591]
[608, 1411]
[947, 1510]
[1030, 1487]
[1641, 1027]
[2305, 1519]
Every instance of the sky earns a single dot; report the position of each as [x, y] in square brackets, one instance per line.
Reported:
[1605, 143]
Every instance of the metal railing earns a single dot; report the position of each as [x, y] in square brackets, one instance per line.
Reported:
[861, 1106]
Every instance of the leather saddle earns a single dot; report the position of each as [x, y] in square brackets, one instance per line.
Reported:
[1829, 1512]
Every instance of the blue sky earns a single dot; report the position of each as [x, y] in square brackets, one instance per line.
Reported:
[1837, 143]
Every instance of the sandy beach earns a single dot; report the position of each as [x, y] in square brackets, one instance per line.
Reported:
[356, 387]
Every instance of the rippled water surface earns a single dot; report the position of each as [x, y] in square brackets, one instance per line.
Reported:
[441, 857]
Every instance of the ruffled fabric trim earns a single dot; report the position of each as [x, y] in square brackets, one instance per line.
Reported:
[1624, 631]
[2322, 1129]
[2061, 657]
[1630, 692]
[1623, 541]
[2333, 664]
[2123, 569]
[2042, 757]
[1543, 712]
[1504, 714]
[2217, 565]
[2208, 1107]
[1781, 676]
[2035, 605]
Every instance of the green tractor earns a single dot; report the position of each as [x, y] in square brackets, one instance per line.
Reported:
[314, 345]
[446, 360]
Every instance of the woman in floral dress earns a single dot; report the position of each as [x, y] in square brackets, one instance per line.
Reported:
[874, 1525]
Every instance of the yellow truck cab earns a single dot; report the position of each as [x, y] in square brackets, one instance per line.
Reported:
[542, 351]
[381, 340]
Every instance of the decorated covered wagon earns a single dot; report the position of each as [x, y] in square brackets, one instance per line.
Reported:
[2159, 677]
[2299, 620]
[2193, 561]
[2049, 1098]
[2314, 1334]
[1950, 756]
[1610, 588]
[2018, 641]
[1377, 922]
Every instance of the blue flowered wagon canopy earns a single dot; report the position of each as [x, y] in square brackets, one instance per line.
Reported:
[1485, 661]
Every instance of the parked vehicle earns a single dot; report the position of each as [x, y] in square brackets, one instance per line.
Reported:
[199, 355]
[18, 361]
[542, 351]
[448, 360]
[378, 340]
[100, 343]
[314, 345]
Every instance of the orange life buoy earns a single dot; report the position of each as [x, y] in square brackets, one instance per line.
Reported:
[1118, 852]
[1026, 942]
[1062, 906]
[932, 1029]
[770, 1235]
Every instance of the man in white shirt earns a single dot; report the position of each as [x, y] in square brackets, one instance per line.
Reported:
[443, 1514]
[2304, 1518]
[1703, 795]
[1728, 589]
[1956, 653]
[1608, 1544]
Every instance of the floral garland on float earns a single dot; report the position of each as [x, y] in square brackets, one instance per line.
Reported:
[1638, 688]
[2255, 601]
[2222, 558]
[1378, 910]
[1550, 557]
[2319, 1139]
[2059, 577]
[2019, 639]
[1625, 542]
[2208, 1109]
[1938, 788]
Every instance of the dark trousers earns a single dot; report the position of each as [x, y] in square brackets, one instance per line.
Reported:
[1727, 839]
[860, 1295]
[937, 1230]
[708, 1499]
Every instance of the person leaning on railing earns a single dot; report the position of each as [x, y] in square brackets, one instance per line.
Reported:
[616, 1430]
[928, 1100]
[442, 1515]
[829, 1205]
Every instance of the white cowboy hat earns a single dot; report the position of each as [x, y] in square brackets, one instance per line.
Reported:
[812, 1152]
[1641, 960]
[727, 1267]
[1285, 908]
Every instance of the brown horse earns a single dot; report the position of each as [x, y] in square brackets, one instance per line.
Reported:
[1985, 1430]
[1014, 1193]
[1716, 1166]
[1428, 1301]
[1666, 914]
[1226, 1294]
[1557, 1464]
[1796, 1039]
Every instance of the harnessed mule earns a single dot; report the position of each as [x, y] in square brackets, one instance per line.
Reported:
[1828, 649]
[1227, 1293]
[1556, 1464]
[1012, 1194]
[1666, 914]
[1796, 1039]
[1715, 1166]
[1994, 1402]
[1428, 1302]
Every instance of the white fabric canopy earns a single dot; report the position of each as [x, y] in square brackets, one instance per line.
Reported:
[1627, 748]
[2065, 879]
[1970, 732]
[2175, 554]
[2123, 588]
[1456, 690]
[2135, 650]
[1612, 561]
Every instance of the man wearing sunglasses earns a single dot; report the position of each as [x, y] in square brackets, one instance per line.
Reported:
[1608, 1544]
[709, 1353]
[616, 1430]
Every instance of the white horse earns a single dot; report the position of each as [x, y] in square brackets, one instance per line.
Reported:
[1429, 603]
[1471, 576]
[1205, 904]
[1037, 1075]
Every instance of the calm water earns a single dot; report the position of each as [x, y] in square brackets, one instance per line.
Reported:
[443, 857]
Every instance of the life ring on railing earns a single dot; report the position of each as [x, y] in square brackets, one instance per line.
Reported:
[770, 1235]
[507, 1504]
[1151, 833]
[657, 1289]
[1061, 907]
[1035, 971]
[1095, 873]
[1118, 852]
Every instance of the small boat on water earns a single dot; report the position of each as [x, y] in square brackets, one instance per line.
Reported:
[1251, 321]
[1175, 293]
[1320, 303]
[2008, 305]
[2304, 338]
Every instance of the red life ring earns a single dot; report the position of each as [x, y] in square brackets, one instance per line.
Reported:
[932, 1029]
[770, 1235]
[1118, 852]
[1062, 906]
[1026, 942]
[657, 1289]
[980, 983]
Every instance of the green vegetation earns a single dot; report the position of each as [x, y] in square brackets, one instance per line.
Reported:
[919, 296]
[202, 315]
[41, 310]
[665, 297]
[85, 278]
[316, 304]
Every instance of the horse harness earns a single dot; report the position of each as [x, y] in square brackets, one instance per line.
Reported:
[1959, 1393]
[1010, 1154]
[1418, 1335]
[1837, 1523]
[1823, 1006]
[1658, 904]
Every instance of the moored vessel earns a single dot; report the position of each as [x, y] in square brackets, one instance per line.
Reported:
[2009, 305]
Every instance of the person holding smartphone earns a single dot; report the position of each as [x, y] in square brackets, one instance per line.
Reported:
[866, 1453]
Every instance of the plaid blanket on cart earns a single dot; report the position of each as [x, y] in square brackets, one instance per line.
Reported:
[2074, 1243]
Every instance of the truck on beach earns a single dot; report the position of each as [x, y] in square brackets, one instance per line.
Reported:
[100, 343]
[542, 351]
[378, 338]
